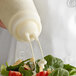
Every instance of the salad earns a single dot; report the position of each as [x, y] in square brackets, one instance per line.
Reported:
[53, 67]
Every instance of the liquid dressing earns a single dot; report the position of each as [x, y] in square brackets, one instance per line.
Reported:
[42, 54]
[33, 57]
[42, 62]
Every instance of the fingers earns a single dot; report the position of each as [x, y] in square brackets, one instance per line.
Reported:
[2, 25]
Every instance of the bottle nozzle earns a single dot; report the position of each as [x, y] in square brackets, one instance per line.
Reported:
[35, 36]
[27, 36]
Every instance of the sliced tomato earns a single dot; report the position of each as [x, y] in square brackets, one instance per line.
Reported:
[14, 73]
[46, 73]
[43, 73]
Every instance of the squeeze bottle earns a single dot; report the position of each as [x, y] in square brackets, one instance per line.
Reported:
[20, 18]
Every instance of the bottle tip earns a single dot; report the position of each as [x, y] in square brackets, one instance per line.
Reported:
[35, 36]
[27, 36]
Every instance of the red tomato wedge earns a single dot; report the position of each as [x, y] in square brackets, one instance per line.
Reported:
[14, 73]
[43, 73]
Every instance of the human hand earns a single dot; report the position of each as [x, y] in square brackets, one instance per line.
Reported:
[2, 25]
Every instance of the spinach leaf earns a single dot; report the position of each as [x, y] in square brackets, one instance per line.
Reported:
[4, 72]
[53, 62]
[72, 72]
[37, 66]
[59, 72]
[16, 67]
[25, 72]
[69, 67]
[49, 59]
[58, 63]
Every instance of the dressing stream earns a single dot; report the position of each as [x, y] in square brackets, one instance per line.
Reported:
[42, 61]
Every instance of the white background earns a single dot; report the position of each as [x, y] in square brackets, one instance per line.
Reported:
[58, 36]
